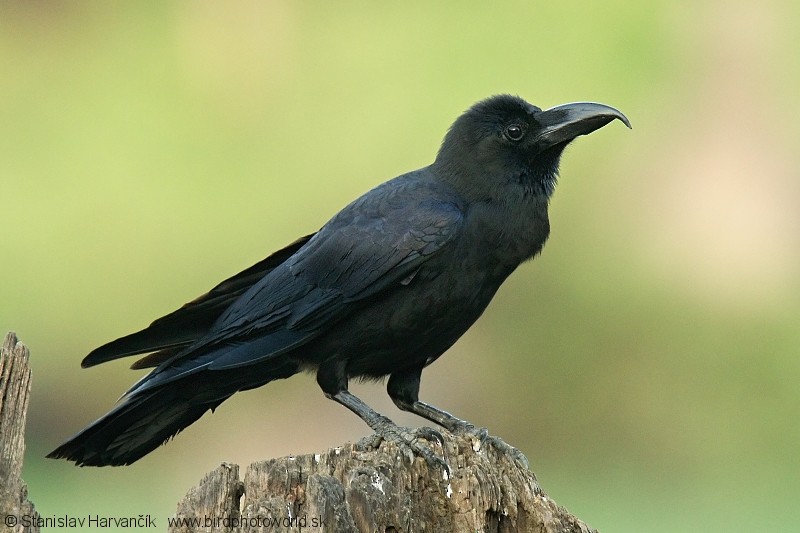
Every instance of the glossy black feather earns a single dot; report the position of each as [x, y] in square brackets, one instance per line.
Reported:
[334, 274]
[172, 332]
[383, 288]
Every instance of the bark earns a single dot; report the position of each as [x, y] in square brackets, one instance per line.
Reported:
[16, 511]
[356, 488]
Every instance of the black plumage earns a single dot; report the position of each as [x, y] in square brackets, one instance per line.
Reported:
[382, 289]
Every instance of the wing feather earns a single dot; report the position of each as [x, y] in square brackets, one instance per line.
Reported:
[378, 242]
[170, 333]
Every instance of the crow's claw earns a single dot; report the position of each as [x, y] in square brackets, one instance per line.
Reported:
[409, 440]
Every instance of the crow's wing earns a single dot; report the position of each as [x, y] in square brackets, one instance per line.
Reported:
[376, 243]
[173, 332]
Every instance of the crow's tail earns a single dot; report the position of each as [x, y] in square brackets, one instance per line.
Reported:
[136, 426]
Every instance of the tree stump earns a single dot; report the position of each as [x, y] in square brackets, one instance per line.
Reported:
[16, 511]
[356, 488]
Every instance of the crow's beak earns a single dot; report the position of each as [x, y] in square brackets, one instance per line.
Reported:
[565, 122]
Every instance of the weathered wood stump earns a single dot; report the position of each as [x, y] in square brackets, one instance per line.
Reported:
[355, 488]
[15, 389]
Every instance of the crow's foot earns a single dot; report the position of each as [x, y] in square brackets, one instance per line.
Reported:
[410, 441]
[480, 438]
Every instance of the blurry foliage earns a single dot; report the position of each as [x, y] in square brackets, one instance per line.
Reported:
[646, 362]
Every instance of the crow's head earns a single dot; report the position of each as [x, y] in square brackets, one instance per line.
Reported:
[505, 141]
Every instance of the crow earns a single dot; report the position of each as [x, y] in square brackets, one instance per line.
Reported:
[382, 289]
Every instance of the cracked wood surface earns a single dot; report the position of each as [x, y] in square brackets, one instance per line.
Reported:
[15, 390]
[355, 488]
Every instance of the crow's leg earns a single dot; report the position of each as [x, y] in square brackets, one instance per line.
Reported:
[332, 378]
[403, 389]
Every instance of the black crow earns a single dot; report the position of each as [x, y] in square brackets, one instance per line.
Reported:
[383, 289]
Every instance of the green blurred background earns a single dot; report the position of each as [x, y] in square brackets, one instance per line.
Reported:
[647, 363]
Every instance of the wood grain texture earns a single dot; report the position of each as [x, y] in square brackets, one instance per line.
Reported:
[15, 390]
[356, 488]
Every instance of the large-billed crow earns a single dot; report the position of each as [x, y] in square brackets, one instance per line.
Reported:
[382, 289]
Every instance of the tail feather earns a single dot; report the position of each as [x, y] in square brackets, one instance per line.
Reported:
[135, 427]
[153, 411]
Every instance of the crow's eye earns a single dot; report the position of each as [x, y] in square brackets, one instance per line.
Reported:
[514, 132]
